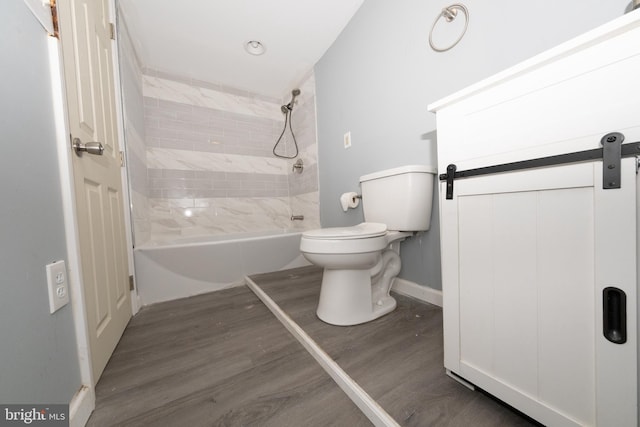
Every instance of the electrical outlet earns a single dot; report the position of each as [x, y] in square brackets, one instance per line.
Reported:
[57, 285]
[347, 139]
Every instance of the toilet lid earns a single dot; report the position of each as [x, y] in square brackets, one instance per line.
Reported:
[360, 231]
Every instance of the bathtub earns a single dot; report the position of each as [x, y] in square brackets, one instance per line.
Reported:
[187, 267]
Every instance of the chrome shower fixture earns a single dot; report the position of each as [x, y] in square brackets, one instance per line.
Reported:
[289, 106]
[298, 166]
[287, 109]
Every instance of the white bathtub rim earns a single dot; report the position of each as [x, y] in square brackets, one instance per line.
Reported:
[165, 273]
[216, 239]
[211, 287]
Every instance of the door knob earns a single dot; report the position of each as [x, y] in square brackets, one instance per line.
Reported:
[90, 147]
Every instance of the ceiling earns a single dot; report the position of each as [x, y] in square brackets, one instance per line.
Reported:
[204, 39]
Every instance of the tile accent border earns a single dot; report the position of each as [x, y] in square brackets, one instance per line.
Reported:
[369, 407]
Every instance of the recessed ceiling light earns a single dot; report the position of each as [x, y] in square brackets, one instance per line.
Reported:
[254, 47]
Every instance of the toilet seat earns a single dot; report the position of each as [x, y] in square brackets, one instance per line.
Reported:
[362, 238]
[364, 230]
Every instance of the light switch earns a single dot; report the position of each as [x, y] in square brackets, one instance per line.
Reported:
[347, 139]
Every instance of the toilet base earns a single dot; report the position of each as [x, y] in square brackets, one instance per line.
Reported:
[346, 298]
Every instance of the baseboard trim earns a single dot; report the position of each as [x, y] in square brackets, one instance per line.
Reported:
[81, 406]
[413, 290]
[369, 407]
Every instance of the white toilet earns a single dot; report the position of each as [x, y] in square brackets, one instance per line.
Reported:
[360, 262]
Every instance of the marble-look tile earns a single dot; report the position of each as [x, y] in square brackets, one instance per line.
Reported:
[137, 167]
[136, 160]
[140, 216]
[209, 162]
[187, 218]
[305, 182]
[170, 90]
[164, 158]
[309, 155]
[160, 204]
[307, 205]
[125, 44]
[135, 142]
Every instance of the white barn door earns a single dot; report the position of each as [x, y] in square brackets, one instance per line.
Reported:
[528, 256]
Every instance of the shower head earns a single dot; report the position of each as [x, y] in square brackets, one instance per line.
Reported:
[289, 106]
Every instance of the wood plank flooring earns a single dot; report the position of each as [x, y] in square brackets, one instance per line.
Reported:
[397, 359]
[219, 359]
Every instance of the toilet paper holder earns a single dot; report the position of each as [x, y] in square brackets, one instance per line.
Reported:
[350, 200]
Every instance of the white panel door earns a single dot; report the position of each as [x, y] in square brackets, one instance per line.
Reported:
[526, 256]
[90, 93]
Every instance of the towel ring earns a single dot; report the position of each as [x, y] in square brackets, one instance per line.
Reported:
[449, 13]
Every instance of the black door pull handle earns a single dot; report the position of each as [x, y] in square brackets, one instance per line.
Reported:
[614, 313]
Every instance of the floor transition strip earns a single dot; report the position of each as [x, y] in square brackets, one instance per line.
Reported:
[392, 366]
[374, 412]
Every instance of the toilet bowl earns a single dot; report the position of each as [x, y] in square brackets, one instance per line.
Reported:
[361, 261]
[359, 264]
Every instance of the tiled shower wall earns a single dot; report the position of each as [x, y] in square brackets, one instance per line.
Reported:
[136, 150]
[210, 166]
[199, 155]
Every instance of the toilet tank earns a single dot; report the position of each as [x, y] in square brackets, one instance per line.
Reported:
[401, 197]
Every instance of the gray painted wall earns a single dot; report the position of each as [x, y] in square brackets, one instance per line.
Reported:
[37, 349]
[379, 76]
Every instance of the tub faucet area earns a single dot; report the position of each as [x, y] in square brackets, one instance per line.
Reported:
[298, 166]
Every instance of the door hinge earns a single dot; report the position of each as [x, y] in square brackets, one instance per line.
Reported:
[112, 29]
[54, 19]
[131, 283]
[122, 159]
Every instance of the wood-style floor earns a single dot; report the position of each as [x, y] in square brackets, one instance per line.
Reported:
[222, 359]
[397, 359]
[219, 359]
